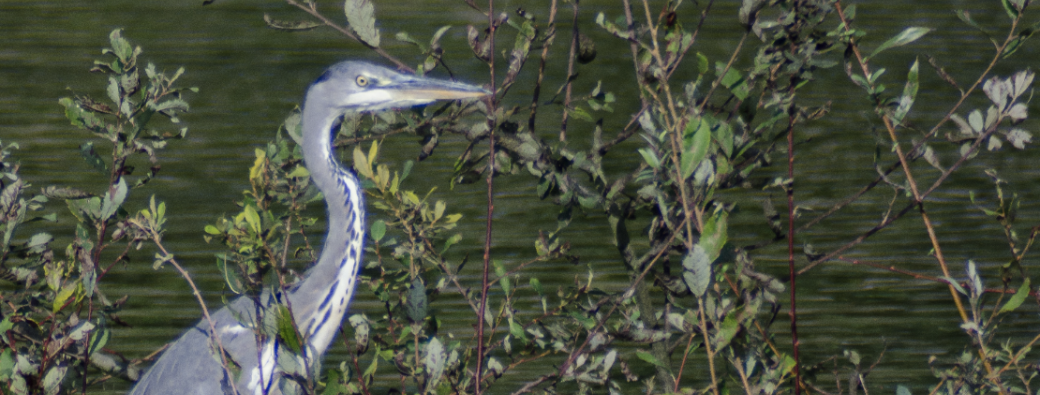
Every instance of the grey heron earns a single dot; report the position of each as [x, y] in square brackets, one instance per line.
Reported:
[319, 301]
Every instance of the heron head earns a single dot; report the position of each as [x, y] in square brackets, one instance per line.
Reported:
[360, 86]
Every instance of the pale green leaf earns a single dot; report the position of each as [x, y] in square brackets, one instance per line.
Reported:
[361, 16]
[907, 36]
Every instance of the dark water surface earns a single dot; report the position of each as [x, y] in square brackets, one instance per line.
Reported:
[250, 77]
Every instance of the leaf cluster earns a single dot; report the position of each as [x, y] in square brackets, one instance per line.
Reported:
[56, 318]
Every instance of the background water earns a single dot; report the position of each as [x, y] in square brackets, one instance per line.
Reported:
[251, 76]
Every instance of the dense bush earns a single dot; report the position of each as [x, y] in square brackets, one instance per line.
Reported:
[694, 295]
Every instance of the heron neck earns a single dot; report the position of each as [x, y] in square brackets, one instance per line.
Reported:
[318, 153]
[321, 299]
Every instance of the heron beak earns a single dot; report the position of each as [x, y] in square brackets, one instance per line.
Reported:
[403, 91]
[421, 89]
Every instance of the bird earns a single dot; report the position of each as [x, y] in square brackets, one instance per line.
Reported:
[190, 365]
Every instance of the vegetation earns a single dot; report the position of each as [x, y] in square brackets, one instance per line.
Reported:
[697, 315]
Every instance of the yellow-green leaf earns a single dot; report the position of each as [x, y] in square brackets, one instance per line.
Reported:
[361, 163]
[252, 218]
[258, 164]
[66, 292]
[1017, 299]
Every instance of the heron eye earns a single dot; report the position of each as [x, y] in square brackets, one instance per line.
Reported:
[361, 80]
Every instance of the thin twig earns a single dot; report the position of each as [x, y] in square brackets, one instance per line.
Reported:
[490, 201]
[570, 71]
[530, 386]
[313, 11]
[793, 311]
[661, 249]
[682, 365]
[202, 303]
[549, 36]
[918, 197]
[715, 84]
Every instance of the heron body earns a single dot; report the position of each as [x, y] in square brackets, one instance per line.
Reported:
[191, 364]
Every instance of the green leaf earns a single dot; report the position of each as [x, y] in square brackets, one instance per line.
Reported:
[956, 285]
[907, 36]
[1013, 46]
[5, 326]
[287, 330]
[974, 279]
[580, 113]
[435, 358]
[98, 339]
[909, 95]
[66, 292]
[1011, 9]
[503, 280]
[120, 47]
[965, 17]
[113, 91]
[113, 199]
[536, 285]
[733, 81]
[589, 202]
[587, 322]
[361, 163]
[52, 380]
[495, 367]
[715, 234]
[361, 16]
[172, 105]
[371, 369]
[702, 63]
[853, 356]
[361, 331]
[727, 331]
[901, 390]
[724, 136]
[517, 330]
[417, 305]
[378, 230]
[697, 270]
[57, 192]
[6, 364]
[252, 218]
[1016, 299]
[79, 117]
[696, 141]
[650, 157]
[231, 275]
[406, 169]
[411, 197]
[290, 25]
[454, 239]
[38, 240]
[404, 36]
[648, 357]
[334, 383]
[438, 210]
[439, 34]
[92, 158]
[610, 27]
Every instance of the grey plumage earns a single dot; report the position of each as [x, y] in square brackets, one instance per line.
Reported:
[190, 365]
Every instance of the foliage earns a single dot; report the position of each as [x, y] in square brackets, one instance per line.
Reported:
[56, 317]
[696, 147]
[698, 138]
